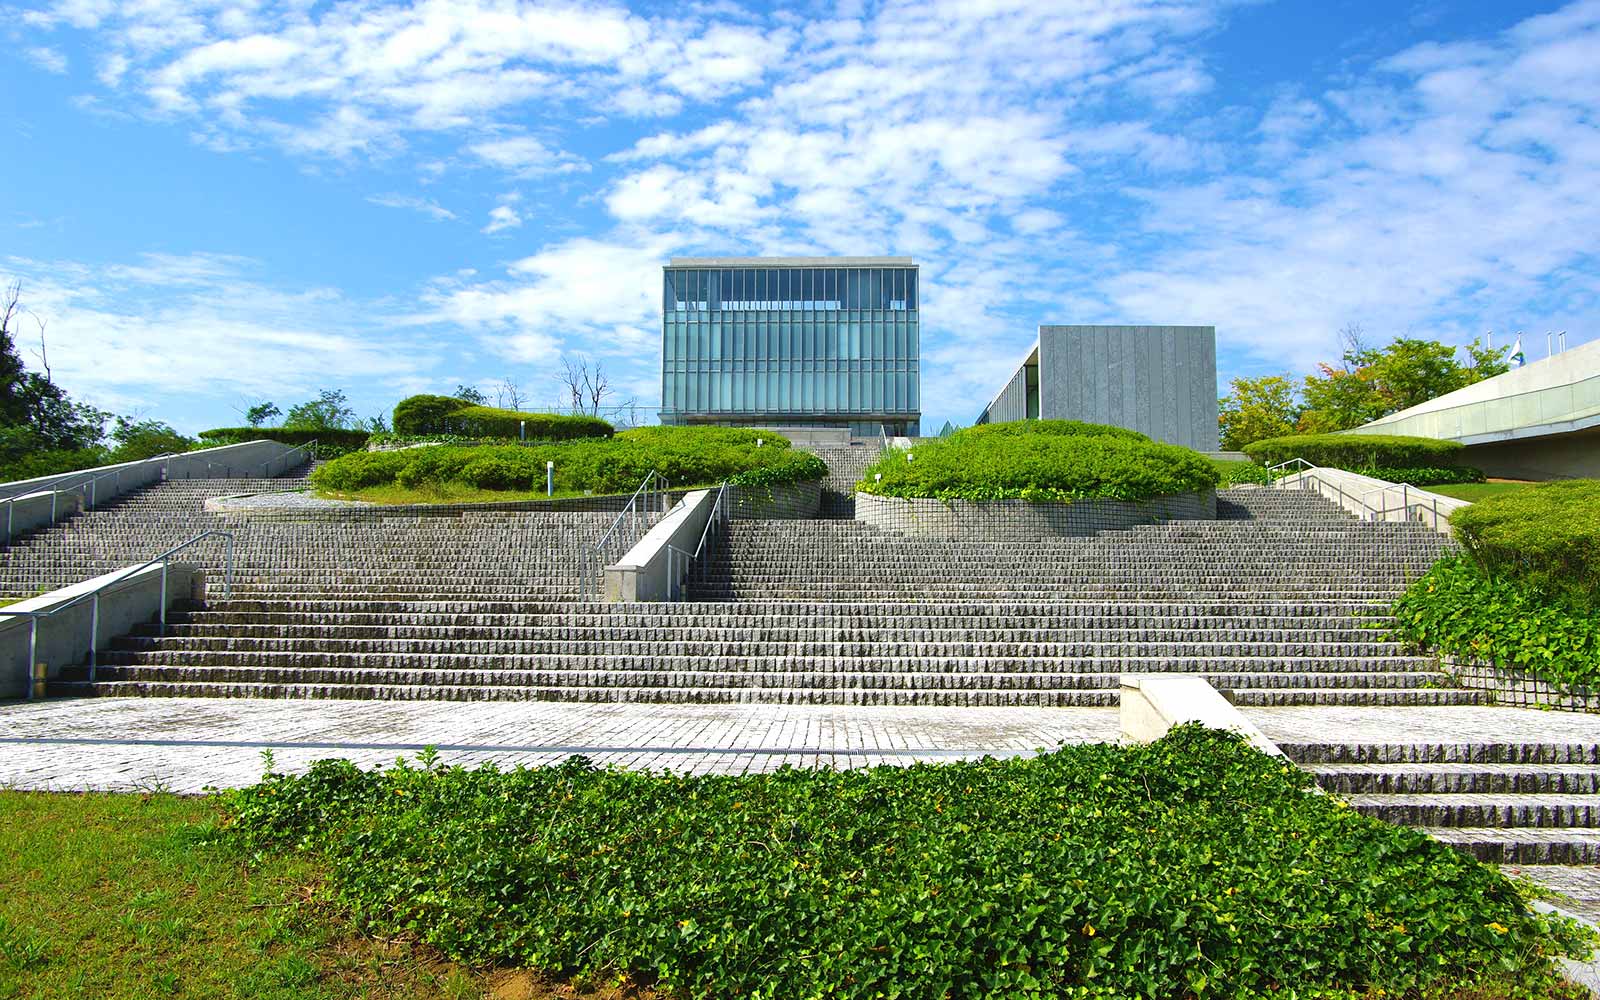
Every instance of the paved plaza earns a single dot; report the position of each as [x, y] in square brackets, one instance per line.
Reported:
[188, 744]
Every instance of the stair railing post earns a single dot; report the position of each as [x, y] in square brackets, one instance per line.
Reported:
[162, 600]
[33, 652]
[94, 633]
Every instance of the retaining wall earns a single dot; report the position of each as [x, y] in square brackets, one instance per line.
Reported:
[790, 502]
[64, 638]
[1006, 520]
[1516, 689]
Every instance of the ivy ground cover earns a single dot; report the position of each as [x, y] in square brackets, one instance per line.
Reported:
[1191, 867]
[686, 456]
[1040, 460]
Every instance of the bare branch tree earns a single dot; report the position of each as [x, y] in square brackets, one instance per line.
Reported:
[43, 353]
[13, 300]
[1352, 341]
[572, 376]
[507, 396]
[596, 387]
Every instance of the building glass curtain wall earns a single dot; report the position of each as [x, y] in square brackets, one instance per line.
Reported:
[797, 342]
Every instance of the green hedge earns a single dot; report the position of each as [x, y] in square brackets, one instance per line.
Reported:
[427, 415]
[686, 456]
[1457, 608]
[1546, 537]
[1427, 476]
[1357, 451]
[330, 443]
[1040, 460]
[1192, 866]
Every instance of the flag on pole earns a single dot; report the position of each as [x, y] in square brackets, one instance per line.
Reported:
[1517, 358]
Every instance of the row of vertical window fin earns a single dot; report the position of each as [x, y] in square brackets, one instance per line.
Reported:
[790, 288]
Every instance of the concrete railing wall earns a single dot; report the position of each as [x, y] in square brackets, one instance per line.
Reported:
[64, 638]
[645, 572]
[1152, 704]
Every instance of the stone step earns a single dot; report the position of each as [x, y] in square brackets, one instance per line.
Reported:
[1458, 779]
[1523, 846]
[1481, 810]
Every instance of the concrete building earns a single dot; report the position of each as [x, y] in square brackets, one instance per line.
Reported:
[821, 344]
[1540, 421]
[1158, 380]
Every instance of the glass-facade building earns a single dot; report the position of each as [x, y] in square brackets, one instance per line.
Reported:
[791, 342]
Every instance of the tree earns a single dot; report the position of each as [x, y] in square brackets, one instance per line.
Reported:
[1255, 409]
[1374, 383]
[261, 413]
[35, 414]
[329, 411]
[507, 396]
[472, 394]
[139, 439]
[585, 384]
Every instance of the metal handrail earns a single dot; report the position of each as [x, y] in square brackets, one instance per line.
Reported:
[1368, 511]
[304, 449]
[94, 616]
[719, 516]
[654, 483]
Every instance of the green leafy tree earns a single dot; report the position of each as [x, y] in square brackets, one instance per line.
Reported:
[472, 394]
[140, 439]
[261, 413]
[37, 418]
[329, 411]
[1257, 408]
[1376, 382]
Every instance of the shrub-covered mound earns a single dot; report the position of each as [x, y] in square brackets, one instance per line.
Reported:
[1546, 537]
[1040, 460]
[1357, 451]
[426, 415]
[1195, 865]
[1458, 609]
[330, 442]
[686, 456]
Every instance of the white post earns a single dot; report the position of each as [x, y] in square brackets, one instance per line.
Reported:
[522, 430]
[549, 479]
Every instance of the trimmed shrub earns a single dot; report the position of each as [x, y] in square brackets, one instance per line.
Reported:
[433, 415]
[330, 443]
[1457, 608]
[1050, 428]
[1234, 473]
[1355, 452]
[1192, 866]
[1546, 537]
[424, 414]
[686, 456]
[1427, 476]
[1004, 462]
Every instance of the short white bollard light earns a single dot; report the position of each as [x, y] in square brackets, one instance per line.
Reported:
[549, 479]
[760, 442]
[522, 430]
[909, 456]
[877, 477]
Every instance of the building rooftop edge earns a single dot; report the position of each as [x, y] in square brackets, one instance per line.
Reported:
[791, 262]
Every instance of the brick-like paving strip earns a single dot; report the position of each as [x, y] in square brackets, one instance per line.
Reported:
[186, 745]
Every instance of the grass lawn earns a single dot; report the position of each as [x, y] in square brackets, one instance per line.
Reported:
[121, 896]
[1479, 491]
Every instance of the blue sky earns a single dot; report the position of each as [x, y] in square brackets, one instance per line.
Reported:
[213, 203]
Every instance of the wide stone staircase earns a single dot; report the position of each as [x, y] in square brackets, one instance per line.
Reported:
[124, 531]
[1283, 604]
[1507, 802]
[845, 465]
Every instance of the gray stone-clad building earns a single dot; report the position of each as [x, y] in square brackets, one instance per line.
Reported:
[1158, 380]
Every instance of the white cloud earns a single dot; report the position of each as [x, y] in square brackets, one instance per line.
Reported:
[426, 206]
[501, 218]
[524, 155]
[46, 58]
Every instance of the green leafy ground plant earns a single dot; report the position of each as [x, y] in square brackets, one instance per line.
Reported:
[1040, 460]
[426, 415]
[1192, 867]
[1546, 537]
[686, 456]
[1457, 608]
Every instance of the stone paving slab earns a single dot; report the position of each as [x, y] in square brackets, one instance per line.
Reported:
[1424, 724]
[186, 745]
